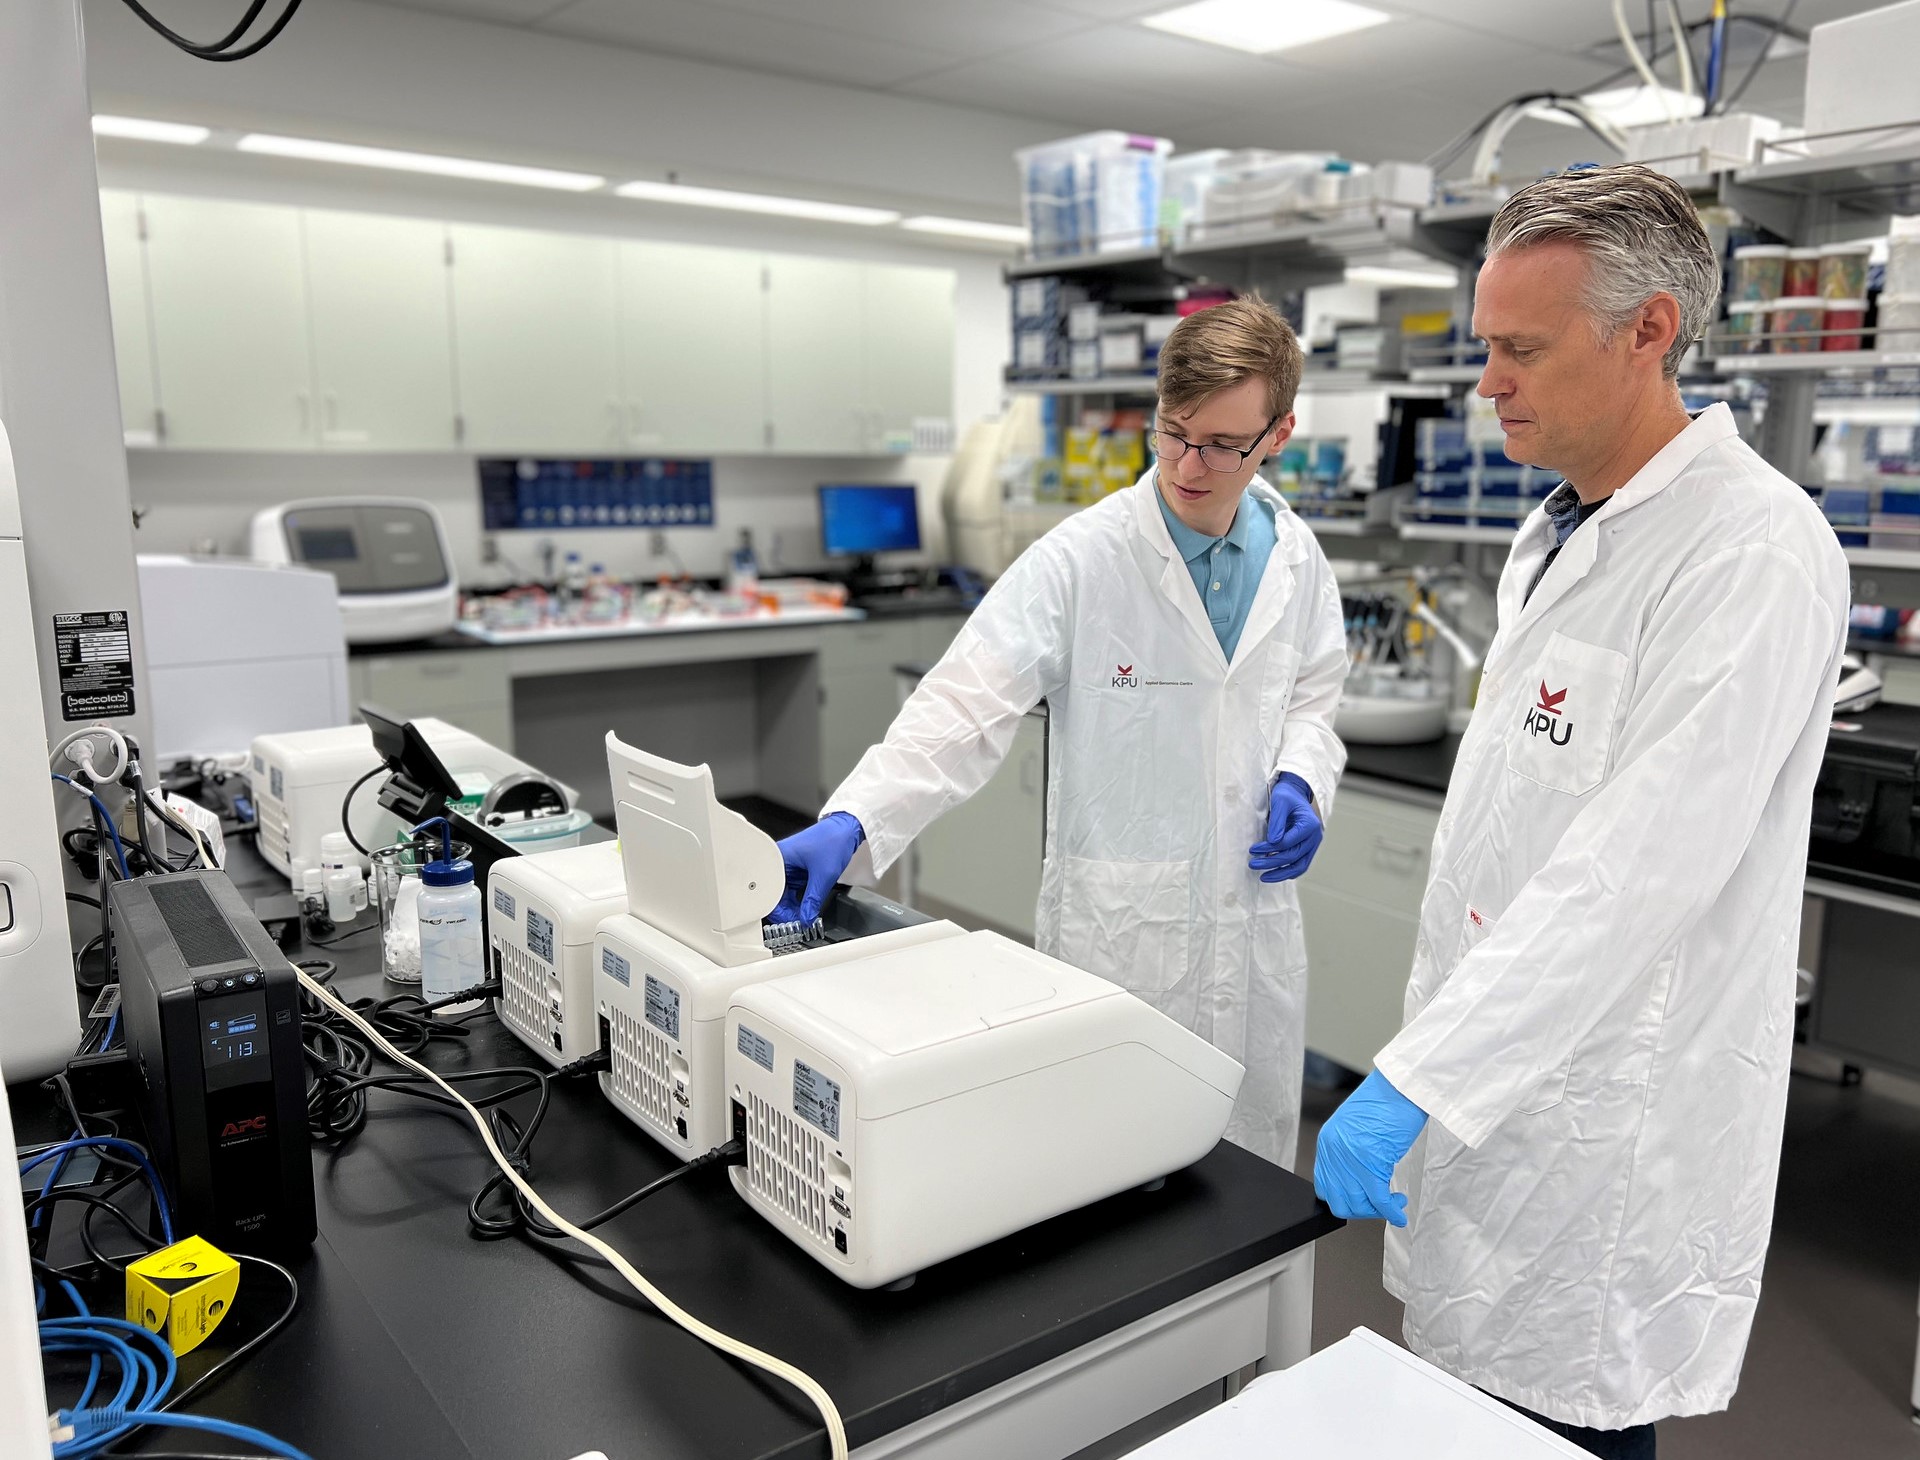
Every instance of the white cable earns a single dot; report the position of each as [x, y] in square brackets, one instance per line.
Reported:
[180, 823]
[1688, 85]
[746, 1353]
[1639, 60]
[83, 756]
[1486, 160]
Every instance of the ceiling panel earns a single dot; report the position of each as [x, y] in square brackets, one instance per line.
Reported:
[708, 32]
[1440, 60]
[1078, 103]
[961, 32]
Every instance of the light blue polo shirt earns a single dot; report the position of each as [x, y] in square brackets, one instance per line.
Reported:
[1226, 570]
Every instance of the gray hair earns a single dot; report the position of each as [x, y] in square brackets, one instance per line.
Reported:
[1641, 234]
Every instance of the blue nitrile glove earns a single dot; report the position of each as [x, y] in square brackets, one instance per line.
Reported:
[1294, 830]
[1360, 1145]
[815, 859]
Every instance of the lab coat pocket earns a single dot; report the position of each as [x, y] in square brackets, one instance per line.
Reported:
[1276, 691]
[1127, 921]
[1564, 735]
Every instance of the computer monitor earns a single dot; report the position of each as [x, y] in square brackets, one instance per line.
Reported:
[859, 521]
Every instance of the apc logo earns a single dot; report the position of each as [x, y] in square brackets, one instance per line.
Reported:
[235, 1129]
[1546, 718]
[1125, 678]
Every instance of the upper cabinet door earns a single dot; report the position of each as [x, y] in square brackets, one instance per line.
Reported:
[382, 332]
[908, 352]
[536, 340]
[814, 356]
[127, 299]
[230, 324]
[693, 344]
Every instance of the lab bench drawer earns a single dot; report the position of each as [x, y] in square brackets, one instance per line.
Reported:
[1866, 996]
[1376, 851]
[873, 647]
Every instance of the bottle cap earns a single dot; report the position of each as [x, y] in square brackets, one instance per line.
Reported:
[446, 870]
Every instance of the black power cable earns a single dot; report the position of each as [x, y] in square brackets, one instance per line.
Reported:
[224, 48]
[346, 802]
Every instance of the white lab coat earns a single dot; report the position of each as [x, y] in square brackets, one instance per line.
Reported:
[1600, 1015]
[1161, 757]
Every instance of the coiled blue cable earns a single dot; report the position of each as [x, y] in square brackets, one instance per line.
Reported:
[112, 1143]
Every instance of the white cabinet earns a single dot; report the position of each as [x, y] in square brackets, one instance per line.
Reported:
[908, 348]
[815, 356]
[127, 299]
[536, 323]
[227, 285]
[980, 863]
[382, 336]
[1360, 904]
[693, 344]
[859, 690]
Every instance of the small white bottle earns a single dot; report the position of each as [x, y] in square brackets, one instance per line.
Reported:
[452, 948]
[340, 883]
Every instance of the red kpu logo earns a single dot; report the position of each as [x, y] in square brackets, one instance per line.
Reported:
[256, 1126]
[1124, 678]
[1546, 718]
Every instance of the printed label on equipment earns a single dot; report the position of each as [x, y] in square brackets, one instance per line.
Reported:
[95, 653]
[279, 784]
[816, 1099]
[756, 1047]
[540, 936]
[107, 1004]
[615, 967]
[503, 902]
[663, 1007]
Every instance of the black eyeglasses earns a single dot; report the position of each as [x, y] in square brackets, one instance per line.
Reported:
[1214, 456]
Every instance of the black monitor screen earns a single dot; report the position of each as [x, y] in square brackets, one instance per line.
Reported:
[860, 520]
[327, 544]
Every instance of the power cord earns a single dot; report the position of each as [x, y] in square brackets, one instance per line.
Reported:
[746, 1353]
[346, 801]
[222, 49]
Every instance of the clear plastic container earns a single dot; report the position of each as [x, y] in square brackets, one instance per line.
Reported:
[1746, 328]
[1096, 193]
[1843, 271]
[1803, 273]
[1795, 324]
[1759, 272]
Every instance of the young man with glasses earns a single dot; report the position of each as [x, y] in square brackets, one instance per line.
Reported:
[1187, 637]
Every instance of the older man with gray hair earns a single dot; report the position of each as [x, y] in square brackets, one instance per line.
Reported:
[1599, 1021]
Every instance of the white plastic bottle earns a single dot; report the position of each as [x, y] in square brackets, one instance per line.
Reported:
[452, 945]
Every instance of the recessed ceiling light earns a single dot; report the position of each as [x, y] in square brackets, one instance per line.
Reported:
[969, 228]
[1391, 278]
[465, 167]
[144, 130]
[1635, 106]
[667, 192]
[1265, 26]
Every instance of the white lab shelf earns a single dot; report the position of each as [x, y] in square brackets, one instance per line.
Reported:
[1868, 410]
[1446, 374]
[1095, 385]
[1905, 560]
[1812, 362]
[1457, 532]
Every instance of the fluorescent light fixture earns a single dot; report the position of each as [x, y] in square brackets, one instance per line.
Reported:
[145, 130]
[1265, 26]
[1392, 278]
[667, 192]
[1635, 106]
[969, 228]
[503, 172]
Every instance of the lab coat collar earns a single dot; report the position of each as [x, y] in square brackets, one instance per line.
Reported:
[1577, 557]
[1176, 583]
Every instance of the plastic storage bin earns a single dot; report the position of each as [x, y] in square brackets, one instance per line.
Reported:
[1095, 193]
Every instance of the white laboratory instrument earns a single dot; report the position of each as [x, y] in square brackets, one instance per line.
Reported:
[987, 528]
[301, 779]
[905, 1108]
[23, 1390]
[542, 911]
[237, 649]
[39, 1018]
[700, 879]
[389, 556]
[1354, 1400]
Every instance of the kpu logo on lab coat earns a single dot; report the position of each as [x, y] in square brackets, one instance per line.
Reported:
[1547, 718]
[1124, 677]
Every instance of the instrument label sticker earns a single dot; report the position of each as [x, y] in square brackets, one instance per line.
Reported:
[756, 1047]
[615, 967]
[663, 1007]
[816, 1099]
[540, 936]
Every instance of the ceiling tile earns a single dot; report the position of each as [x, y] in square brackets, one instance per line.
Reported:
[720, 33]
[1077, 104]
[503, 12]
[979, 28]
